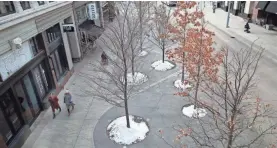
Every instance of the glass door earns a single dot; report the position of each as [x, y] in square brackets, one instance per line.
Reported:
[24, 102]
[31, 94]
[11, 112]
[5, 131]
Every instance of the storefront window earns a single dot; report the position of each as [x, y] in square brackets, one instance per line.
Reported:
[31, 94]
[24, 103]
[10, 112]
[53, 33]
[38, 82]
[45, 77]
[59, 61]
[5, 131]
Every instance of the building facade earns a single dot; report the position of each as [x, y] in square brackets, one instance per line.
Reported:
[263, 13]
[39, 41]
[35, 59]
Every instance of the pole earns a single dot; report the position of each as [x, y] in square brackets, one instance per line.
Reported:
[228, 16]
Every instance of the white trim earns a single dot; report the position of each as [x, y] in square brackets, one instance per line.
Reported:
[12, 19]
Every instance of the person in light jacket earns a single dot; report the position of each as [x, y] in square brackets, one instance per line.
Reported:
[68, 101]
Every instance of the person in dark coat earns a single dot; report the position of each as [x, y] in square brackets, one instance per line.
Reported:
[247, 27]
[104, 58]
[54, 103]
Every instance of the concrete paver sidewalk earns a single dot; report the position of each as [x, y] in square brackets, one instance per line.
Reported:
[266, 38]
[70, 131]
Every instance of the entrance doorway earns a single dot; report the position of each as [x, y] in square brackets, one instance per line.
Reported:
[10, 120]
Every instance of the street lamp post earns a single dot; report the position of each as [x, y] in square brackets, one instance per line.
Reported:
[228, 15]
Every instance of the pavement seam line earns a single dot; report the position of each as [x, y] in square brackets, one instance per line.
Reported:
[158, 82]
[90, 104]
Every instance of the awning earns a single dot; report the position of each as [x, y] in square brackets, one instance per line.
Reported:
[272, 7]
[262, 5]
[91, 29]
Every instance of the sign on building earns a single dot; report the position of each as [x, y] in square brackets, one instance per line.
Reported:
[92, 11]
[68, 28]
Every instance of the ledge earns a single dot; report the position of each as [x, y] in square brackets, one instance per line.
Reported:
[16, 18]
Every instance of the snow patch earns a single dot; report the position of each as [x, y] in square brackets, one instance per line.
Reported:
[179, 84]
[159, 65]
[195, 113]
[136, 79]
[119, 132]
[143, 53]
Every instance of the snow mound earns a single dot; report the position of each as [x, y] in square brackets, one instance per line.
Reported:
[142, 53]
[179, 84]
[160, 66]
[137, 79]
[119, 132]
[195, 113]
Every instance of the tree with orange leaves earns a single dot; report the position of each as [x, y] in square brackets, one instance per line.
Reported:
[184, 18]
[198, 56]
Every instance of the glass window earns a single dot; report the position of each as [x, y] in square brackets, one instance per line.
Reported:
[6, 8]
[38, 82]
[5, 131]
[31, 94]
[54, 63]
[25, 105]
[10, 112]
[56, 53]
[45, 72]
[41, 3]
[33, 45]
[53, 33]
[25, 5]
[63, 58]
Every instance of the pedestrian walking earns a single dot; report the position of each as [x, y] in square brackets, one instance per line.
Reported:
[68, 101]
[247, 27]
[54, 103]
[214, 7]
[104, 58]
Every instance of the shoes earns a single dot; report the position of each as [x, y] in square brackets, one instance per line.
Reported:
[54, 116]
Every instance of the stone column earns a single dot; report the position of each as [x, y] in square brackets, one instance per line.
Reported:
[17, 6]
[235, 8]
[226, 6]
[101, 17]
[248, 9]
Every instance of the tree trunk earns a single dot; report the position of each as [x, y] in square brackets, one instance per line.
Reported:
[196, 92]
[140, 25]
[125, 90]
[132, 61]
[231, 131]
[183, 68]
[163, 51]
[125, 98]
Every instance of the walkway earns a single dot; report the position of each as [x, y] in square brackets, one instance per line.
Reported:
[70, 132]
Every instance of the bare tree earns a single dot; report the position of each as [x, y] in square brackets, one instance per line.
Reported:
[235, 110]
[160, 30]
[143, 15]
[110, 82]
